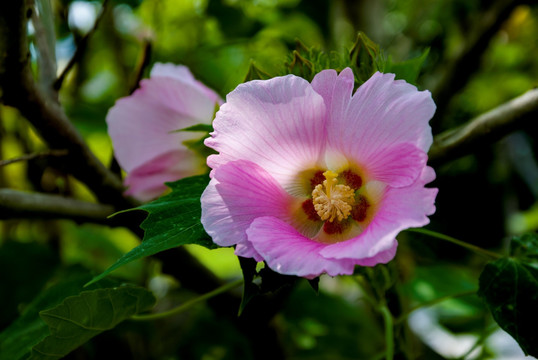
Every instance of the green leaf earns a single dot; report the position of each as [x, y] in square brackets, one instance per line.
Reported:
[250, 289]
[509, 287]
[262, 282]
[198, 146]
[79, 318]
[380, 278]
[314, 283]
[173, 220]
[255, 73]
[17, 340]
[366, 57]
[407, 70]
[198, 128]
[525, 247]
[23, 283]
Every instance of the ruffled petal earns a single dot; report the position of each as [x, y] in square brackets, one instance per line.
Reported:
[382, 113]
[277, 123]
[238, 193]
[288, 252]
[146, 182]
[336, 90]
[400, 209]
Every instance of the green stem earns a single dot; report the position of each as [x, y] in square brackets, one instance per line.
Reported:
[434, 302]
[388, 320]
[188, 304]
[464, 244]
[389, 331]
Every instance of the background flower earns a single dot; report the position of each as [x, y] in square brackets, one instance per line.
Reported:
[314, 180]
[142, 127]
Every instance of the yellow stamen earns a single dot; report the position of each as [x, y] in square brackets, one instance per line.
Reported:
[336, 201]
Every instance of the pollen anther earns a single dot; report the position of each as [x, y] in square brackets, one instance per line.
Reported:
[332, 200]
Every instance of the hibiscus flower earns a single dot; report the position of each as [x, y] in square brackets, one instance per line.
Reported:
[313, 179]
[143, 128]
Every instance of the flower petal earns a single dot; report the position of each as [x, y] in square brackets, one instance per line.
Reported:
[239, 192]
[146, 182]
[288, 252]
[183, 74]
[401, 208]
[140, 125]
[397, 166]
[382, 113]
[277, 123]
[336, 90]
[381, 258]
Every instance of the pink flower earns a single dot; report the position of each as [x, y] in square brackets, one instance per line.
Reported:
[142, 129]
[314, 180]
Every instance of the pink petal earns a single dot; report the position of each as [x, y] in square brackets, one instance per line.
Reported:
[183, 74]
[381, 258]
[397, 166]
[146, 182]
[288, 252]
[336, 90]
[277, 123]
[401, 208]
[238, 193]
[140, 125]
[383, 112]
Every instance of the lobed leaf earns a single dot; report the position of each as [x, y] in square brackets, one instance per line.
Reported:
[173, 220]
[17, 340]
[509, 286]
[79, 318]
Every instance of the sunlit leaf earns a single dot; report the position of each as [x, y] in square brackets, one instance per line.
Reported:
[79, 318]
[173, 220]
[510, 288]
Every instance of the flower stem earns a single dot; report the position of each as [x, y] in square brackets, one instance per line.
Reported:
[388, 320]
[389, 331]
[476, 249]
[189, 303]
[434, 302]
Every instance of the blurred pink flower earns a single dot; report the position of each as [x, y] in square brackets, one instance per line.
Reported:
[314, 180]
[142, 129]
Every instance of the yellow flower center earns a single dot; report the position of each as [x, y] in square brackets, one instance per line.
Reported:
[332, 201]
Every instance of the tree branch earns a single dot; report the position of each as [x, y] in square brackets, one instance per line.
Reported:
[81, 48]
[457, 71]
[485, 128]
[44, 112]
[44, 40]
[27, 157]
[18, 89]
[141, 65]
[14, 204]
